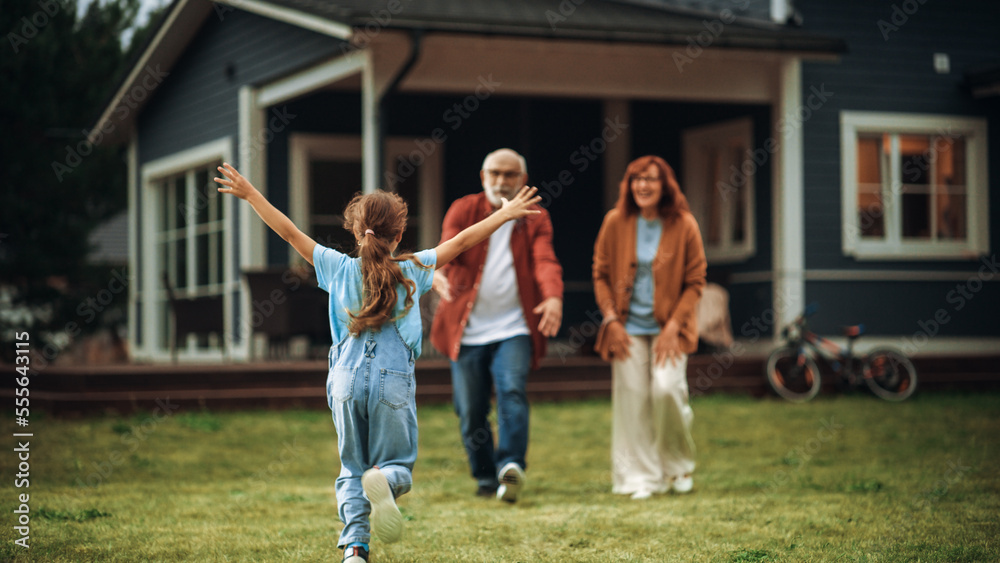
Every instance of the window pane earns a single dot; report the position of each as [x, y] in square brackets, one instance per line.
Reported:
[180, 263]
[915, 159]
[163, 188]
[870, 160]
[164, 262]
[216, 257]
[180, 202]
[201, 260]
[951, 189]
[916, 215]
[203, 193]
[871, 207]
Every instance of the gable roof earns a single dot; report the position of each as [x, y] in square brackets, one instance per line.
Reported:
[635, 21]
[596, 20]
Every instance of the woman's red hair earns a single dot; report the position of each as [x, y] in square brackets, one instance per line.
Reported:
[672, 200]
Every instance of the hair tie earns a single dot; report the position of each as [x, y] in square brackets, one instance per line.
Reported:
[369, 232]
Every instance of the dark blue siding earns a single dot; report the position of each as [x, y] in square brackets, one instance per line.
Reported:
[893, 74]
[958, 308]
[198, 101]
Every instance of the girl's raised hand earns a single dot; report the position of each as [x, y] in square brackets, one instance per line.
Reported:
[520, 205]
[234, 182]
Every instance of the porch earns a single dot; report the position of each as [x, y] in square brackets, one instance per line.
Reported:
[75, 391]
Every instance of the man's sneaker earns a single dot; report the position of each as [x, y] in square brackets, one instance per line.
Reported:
[511, 482]
[387, 522]
[486, 491]
[355, 554]
[683, 484]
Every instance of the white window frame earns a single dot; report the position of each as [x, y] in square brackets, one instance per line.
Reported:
[972, 130]
[303, 147]
[153, 294]
[719, 134]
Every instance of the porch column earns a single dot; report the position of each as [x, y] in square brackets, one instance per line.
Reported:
[369, 127]
[788, 224]
[619, 152]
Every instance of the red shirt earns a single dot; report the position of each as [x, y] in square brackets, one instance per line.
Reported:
[538, 272]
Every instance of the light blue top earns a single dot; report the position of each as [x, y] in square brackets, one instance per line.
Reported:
[340, 275]
[640, 309]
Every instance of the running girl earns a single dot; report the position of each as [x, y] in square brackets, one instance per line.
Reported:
[376, 333]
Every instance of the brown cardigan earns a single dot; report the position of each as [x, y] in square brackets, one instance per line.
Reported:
[678, 273]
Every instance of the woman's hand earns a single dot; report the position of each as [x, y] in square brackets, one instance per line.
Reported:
[234, 182]
[667, 345]
[520, 205]
[619, 342]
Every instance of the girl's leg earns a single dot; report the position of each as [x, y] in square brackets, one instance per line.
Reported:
[352, 438]
[345, 393]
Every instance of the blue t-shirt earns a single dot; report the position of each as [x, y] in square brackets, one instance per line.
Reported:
[340, 275]
[640, 308]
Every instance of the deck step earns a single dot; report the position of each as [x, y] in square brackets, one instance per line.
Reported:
[133, 388]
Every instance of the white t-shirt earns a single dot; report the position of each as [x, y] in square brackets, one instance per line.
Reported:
[497, 313]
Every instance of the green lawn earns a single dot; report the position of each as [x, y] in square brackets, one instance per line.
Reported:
[839, 479]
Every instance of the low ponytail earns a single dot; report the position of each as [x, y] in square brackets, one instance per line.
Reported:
[376, 220]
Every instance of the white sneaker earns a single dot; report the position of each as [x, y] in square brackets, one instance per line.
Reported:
[387, 522]
[642, 494]
[511, 481]
[683, 484]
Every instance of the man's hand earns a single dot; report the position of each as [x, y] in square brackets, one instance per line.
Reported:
[441, 285]
[551, 312]
[667, 346]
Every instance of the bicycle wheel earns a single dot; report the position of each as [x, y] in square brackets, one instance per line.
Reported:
[890, 374]
[792, 376]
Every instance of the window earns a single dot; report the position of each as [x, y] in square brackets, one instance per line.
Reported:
[914, 187]
[326, 173]
[186, 239]
[189, 238]
[719, 169]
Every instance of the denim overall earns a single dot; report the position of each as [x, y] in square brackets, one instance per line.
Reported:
[371, 391]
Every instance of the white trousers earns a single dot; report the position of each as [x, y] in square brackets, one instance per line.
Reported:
[651, 442]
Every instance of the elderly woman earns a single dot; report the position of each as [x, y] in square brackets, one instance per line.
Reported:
[649, 271]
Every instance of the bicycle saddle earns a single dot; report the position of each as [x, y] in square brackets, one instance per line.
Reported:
[854, 331]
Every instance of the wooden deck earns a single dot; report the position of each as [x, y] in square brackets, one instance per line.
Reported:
[70, 391]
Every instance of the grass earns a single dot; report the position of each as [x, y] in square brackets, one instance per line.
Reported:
[847, 478]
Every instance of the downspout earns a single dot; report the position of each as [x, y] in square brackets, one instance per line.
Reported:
[416, 44]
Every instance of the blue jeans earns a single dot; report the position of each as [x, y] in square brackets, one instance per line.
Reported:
[371, 391]
[504, 364]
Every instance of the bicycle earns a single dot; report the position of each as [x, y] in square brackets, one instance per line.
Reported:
[792, 372]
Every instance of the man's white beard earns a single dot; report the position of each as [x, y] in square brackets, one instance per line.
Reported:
[493, 195]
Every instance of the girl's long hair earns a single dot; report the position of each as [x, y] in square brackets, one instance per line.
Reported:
[384, 214]
[672, 200]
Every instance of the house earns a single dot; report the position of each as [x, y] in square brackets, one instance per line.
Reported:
[832, 152]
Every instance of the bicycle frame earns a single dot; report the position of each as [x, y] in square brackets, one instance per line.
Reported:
[836, 356]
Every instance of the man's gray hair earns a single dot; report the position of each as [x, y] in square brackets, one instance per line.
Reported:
[511, 152]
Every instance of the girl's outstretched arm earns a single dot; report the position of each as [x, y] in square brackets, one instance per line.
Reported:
[516, 208]
[234, 183]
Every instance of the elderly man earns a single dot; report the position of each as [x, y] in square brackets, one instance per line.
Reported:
[500, 301]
